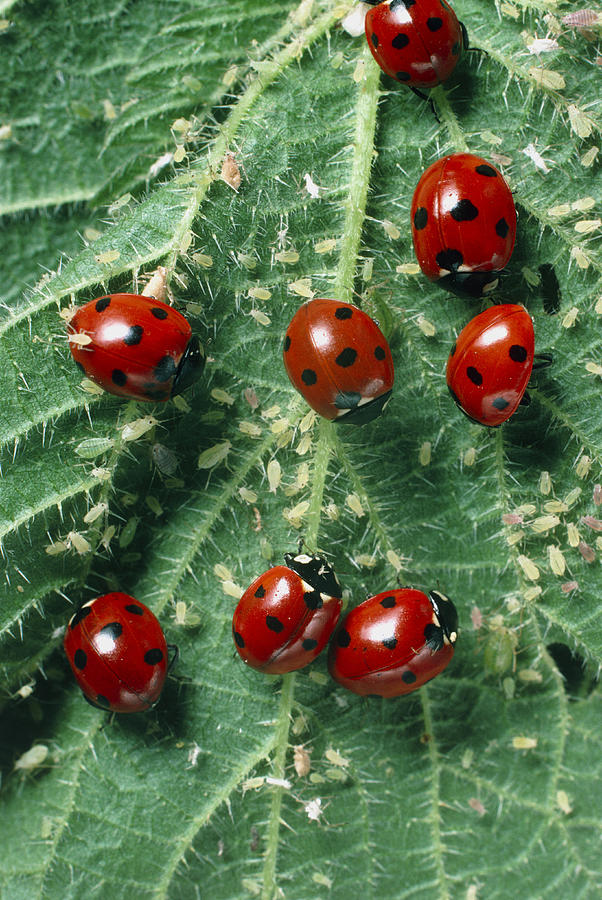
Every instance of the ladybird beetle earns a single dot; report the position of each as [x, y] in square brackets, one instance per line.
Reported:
[117, 650]
[463, 223]
[490, 364]
[417, 42]
[138, 347]
[394, 642]
[339, 360]
[285, 618]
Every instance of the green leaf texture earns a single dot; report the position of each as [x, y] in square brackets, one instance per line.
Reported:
[485, 783]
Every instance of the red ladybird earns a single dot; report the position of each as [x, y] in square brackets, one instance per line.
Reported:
[490, 364]
[139, 347]
[117, 650]
[463, 223]
[394, 642]
[339, 360]
[417, 42]
[285, 618]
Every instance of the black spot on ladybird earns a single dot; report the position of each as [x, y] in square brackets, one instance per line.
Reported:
[154, 656]
[379, 352]
[112, 630]
[343, 312]
[502, 228]
[260, 592]
[80, 659]
[500, 403]
[456, 48]
[240, 641]
[488, 171]
[134, 335]
[390, 643]
[434, 23]
[309, 644]
[343, 638]
[400, 41]
[449, 259]
[274, 624]
[102, 304]
[388, 602]
[159, 313]
[474, 375]
[135, 609]
[464, 211]
[420, 218]
[287, 343]
[408, 677]
[403, 76]
[517, 353]
[118, 377]
[165, 369]
[308, 376]
[346, 357]
[102, 701]
[374, 39]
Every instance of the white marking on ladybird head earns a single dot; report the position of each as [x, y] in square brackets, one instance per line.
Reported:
[303, 558]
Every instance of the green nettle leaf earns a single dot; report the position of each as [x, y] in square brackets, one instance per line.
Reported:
[256, 151]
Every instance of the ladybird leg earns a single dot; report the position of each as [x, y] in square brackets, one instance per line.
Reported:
[542, 360]
[427, 99]
[173, 648]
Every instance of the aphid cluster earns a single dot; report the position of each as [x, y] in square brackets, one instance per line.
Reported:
[463, 226]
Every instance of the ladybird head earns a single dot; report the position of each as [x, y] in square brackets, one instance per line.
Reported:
[356, 411]
[446, 615]
[316, 572]
[190, 368]
[471, 284]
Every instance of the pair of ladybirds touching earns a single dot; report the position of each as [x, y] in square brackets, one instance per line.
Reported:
[118, 653]
[389, 645]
